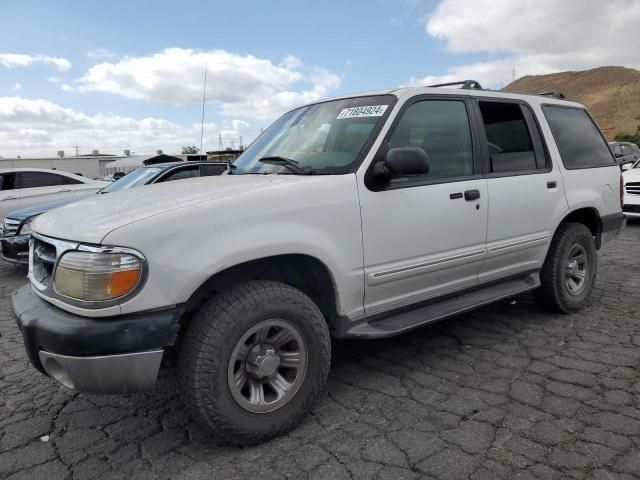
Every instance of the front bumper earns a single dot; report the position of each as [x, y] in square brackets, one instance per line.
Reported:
[115, 355]
[15, 249]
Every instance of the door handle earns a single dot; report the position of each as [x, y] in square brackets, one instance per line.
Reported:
[9, 198]
[470, 195]
[552, 184]
[64, 190]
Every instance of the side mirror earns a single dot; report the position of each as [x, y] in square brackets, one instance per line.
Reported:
[619, 154]
[403, 161]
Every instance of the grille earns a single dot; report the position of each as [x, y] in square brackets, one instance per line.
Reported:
[633, 188]
[10, 227]
[44, 259]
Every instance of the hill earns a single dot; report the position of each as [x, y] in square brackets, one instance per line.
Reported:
[612, 94]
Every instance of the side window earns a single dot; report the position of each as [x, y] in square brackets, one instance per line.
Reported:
[7, 181]
[617, 150]
[189, 172]
[513, 140]
[40, 179]
[71, 181]
[579, 141]
[441, 128]
[212, 170]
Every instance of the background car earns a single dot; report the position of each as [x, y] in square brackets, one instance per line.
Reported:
[626, 153]
[24, 187]
[631, 202]
[16, 226]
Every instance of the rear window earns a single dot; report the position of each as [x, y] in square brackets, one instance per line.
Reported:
[580, 142]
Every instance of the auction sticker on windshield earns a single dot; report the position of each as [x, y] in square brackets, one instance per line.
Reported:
[364, 111]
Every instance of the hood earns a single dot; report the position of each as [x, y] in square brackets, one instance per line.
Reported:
[91, 219]
[42, 208]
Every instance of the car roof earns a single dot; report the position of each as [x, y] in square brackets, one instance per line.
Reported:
[45, 170]
[174, 164]
[405, 92]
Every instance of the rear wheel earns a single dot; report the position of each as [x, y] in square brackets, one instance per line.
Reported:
[569, 271]
[253, 360]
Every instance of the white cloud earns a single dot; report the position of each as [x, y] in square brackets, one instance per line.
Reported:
[240, 85]
[12, 60]
[101, 53]
[40, 127]
[534, 37]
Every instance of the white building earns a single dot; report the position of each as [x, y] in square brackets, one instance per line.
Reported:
[91, 166]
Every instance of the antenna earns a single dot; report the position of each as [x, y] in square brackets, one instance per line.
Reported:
[204, 97]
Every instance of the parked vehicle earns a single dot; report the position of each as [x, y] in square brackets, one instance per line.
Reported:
[16, 228]
[24, 187]
[363, 216]
[631, 204]
[626, 153]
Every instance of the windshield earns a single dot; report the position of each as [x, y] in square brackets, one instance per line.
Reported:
[138, 177]
[324, 138]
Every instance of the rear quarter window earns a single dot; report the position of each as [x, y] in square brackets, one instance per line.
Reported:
[579, 141]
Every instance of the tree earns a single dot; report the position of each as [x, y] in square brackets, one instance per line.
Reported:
[190, 150]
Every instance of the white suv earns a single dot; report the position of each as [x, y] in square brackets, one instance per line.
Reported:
[363, 216]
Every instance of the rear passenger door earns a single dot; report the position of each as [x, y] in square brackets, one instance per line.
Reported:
[525, 189]
[40, 187]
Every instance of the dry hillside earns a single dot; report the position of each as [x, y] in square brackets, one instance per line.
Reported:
[612, 94]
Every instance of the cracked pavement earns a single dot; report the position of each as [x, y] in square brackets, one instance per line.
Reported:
[507, 391]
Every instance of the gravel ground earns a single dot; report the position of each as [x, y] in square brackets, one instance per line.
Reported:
[507, 391]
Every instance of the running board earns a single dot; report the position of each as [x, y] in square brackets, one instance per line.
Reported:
[395, 324]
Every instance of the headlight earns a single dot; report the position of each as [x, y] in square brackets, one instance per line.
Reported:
[97, 276]
[25, 226]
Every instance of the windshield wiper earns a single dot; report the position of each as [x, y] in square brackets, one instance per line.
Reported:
[289, 164]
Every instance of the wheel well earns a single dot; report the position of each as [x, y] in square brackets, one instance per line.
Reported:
[303, 272]
[590, 218]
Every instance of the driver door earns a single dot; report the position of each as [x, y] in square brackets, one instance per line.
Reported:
[424, 236]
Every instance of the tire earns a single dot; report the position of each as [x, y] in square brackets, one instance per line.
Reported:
[560, 289]
[221, 331]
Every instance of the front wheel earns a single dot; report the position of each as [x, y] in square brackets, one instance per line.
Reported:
[569, 271]
[253, 360]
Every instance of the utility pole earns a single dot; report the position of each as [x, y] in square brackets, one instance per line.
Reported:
[204, 97]
[76, 147]
[220, 142]
[240, 146]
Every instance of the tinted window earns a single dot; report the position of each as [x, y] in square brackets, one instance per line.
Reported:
[580, 143]
[441, 128]
[7, 181]
[40, 179]
[71, 181]
[183, 173]
[511, 144]
[212, 170]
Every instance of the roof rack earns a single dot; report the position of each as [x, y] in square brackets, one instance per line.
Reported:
[465, 84]
[553, 94]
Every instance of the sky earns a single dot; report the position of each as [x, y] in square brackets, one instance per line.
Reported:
[129, 74]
